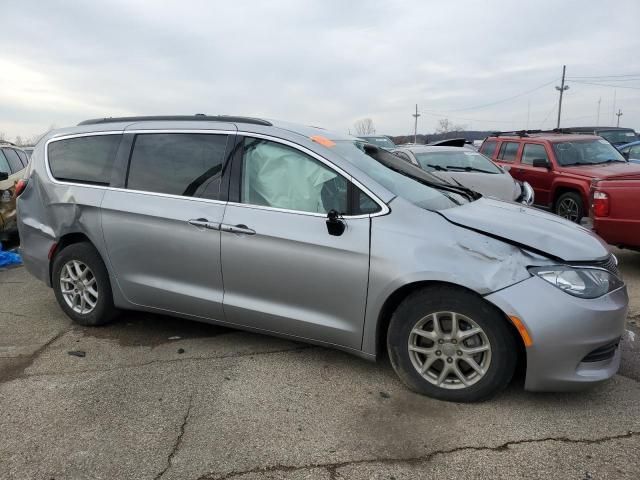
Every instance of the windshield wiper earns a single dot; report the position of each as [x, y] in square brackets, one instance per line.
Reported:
[467, 169]
[437, 167]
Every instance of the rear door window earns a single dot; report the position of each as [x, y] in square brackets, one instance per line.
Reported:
[532, 152]
[84, 159]
[488, 148]
[13, 159]
[508, 151]
[185, 164]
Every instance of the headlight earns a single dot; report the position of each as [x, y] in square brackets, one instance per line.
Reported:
[579, 282]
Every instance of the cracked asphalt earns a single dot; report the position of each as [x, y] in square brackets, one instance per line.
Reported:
[157, 397]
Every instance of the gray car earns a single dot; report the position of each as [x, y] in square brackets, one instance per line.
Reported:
[470, 168]
[319, 237]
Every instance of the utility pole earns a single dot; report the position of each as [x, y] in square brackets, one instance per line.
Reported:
[561, 89]
[619, 114]
[528, 112]
[613, 107]
[598, 117]
[415, 125]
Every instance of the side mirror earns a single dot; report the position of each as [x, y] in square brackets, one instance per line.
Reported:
[624, 154]
[335, 224]
[4, 176]
[541, 163]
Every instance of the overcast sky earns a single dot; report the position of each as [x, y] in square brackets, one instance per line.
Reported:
[323, 62]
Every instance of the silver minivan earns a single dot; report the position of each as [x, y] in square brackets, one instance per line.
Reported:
[319, 237]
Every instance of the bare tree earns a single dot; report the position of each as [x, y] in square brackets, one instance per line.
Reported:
[2, 136]
[365, 126]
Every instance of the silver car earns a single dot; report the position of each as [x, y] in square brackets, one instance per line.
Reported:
[319, 237]
[470, 168]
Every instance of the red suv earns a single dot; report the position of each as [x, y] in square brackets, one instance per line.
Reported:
[562, 168]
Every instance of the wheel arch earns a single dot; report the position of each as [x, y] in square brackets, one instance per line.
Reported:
[396, 297]
[65, 241]
[560, 189]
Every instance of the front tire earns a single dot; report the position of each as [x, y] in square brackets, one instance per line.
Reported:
[81, 284]
[452, 345]
[569, 205]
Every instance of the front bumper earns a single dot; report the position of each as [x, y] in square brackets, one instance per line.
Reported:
[564, 330]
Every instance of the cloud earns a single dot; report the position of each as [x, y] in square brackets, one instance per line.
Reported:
[317, 62]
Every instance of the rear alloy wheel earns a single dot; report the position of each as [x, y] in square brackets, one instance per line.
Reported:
[450, 344]
[569, 206]
[81, 283]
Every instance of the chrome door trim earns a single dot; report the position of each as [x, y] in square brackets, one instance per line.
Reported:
[383, 206]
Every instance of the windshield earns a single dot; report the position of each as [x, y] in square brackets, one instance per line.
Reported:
[586, 152]
[383, 142]
[618, 137]
[463, 161]
[401, 185]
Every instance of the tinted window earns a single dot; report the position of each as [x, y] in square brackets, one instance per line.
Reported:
[187, 164]
[14, 160]
[4, 163]
[84, 159]
[532, 152]
[508, 151]
[488, 148]
[634, 152]
[278, 176]
[23, 157]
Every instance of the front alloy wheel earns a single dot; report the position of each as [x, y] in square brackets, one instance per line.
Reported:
[449, 343]
[449, 350]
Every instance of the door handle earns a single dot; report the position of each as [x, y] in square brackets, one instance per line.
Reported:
[204, 223]
[237, 229]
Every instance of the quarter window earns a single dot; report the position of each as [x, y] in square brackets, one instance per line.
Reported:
[4, 163]
[533, 152]
[84, 159]
[278, 176]
[14, 160]
[508, 151]
[488, 148]
[23, 157]
[186, 164]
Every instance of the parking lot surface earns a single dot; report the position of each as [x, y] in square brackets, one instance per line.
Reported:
[157, 397]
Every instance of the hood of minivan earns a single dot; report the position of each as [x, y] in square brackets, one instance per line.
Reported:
[606, 170]
[528, 227]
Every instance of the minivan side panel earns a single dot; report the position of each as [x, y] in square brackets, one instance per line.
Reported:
[47, 211]
[293, 277]
[416, 245]
[161, 260]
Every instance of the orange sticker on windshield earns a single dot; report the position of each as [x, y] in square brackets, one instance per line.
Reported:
[323, 141]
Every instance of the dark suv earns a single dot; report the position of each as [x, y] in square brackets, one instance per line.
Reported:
[559, 167]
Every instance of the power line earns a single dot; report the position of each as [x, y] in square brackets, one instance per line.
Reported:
[605, 85]
[608, 76]
[432, 113]
[504, 99]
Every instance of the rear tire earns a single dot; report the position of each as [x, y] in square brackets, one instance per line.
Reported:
[81, 284]
[569, 205]
[420, 359]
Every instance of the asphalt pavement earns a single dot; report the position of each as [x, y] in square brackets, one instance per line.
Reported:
[158, 397]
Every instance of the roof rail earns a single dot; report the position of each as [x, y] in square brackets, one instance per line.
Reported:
[7, 142]
[526, 133]
[199, 117]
